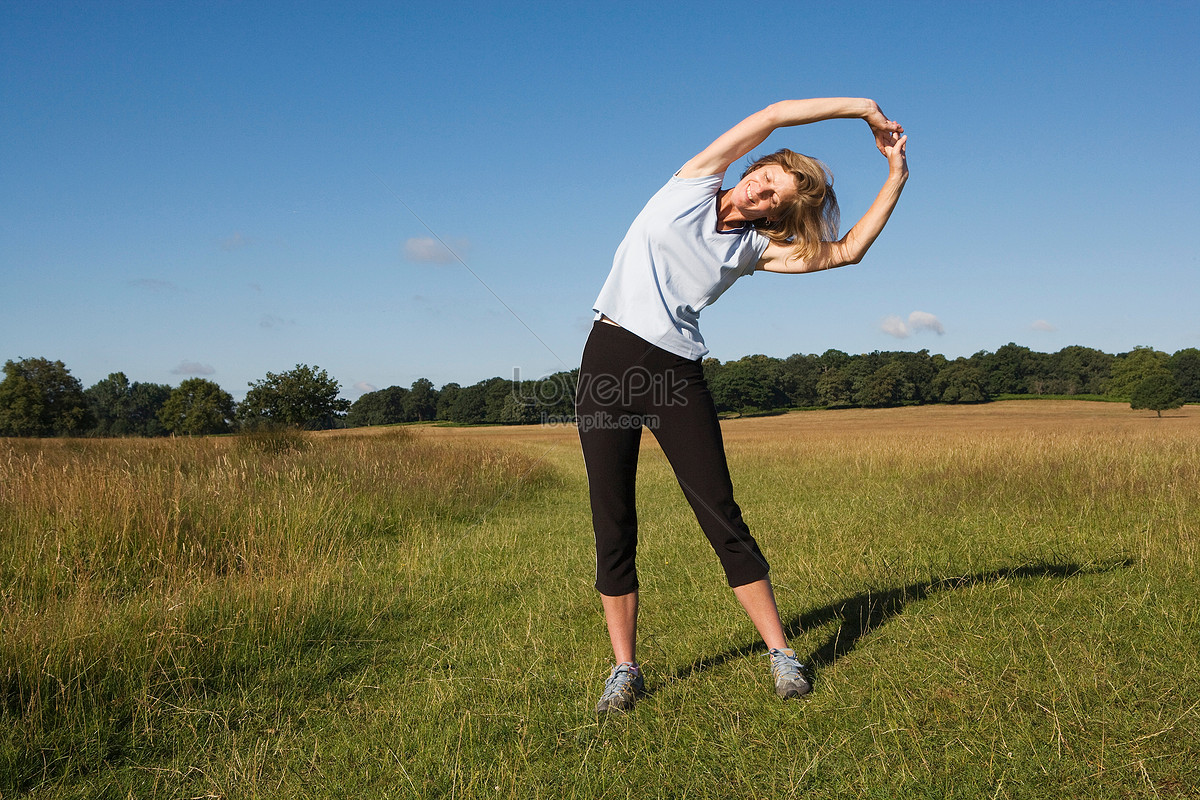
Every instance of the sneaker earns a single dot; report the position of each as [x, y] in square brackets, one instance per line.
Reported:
[788, 672]
[622, 689]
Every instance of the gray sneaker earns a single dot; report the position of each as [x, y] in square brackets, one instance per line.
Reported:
[622, 689]
[788, 672]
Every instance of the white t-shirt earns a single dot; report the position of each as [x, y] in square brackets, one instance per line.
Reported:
[673, 263]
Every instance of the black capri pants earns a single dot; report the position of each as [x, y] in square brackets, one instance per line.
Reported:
[625, 384]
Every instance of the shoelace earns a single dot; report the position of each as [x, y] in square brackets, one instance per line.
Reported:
[785, 666]
[621, 679]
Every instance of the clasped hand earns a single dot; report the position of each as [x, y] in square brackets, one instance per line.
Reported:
[890, 139]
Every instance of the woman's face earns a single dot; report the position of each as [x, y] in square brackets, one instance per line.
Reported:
[764, 192]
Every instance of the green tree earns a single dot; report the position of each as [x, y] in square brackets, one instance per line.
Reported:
[121, 408]
[886, 386]
[1134, 367]
[1185, 366]
[147, 400]
[534, 400]
[833, 359]
[381, 407]
[918, 370]
[1079, 370]
[39, 397]
[835, 388]
[305, 397]
[198, 407]
[111, 404]
[1158, 392]
[421, 403]
[798, 376]
[519, 410]
[556, 393]
[1008, 370]
[470, 405]
[447, 396]
[960, 382]
[744, 385]
[497, 394]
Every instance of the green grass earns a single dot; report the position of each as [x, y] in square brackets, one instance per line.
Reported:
[994, 607]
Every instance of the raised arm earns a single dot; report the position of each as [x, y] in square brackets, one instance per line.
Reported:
[754, 129]
[851, 248]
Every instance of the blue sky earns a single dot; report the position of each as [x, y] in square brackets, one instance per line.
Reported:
[224, 189]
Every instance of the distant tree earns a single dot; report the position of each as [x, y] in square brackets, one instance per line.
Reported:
[1185, 366]
[833, 359]
[534, 400]
[304, 397]
[519, 409]
[1008, 370]
[145, 401]
[121, 408]
[111, 403]
[1158, 392]
[960, 382]
[556, 394]
[743, 385]
[198, 407]
[497, 393]
[470, 405]
[918, 370]
[710, 366]
[798, 377]
[835, 389]
[381, 407]
[885, 386]
[1039, 375]
[1134, 367]
[39, 397]
[447, 396]
[421, 403]
[1079, 370]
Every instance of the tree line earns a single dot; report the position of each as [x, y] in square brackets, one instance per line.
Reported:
[39, 397]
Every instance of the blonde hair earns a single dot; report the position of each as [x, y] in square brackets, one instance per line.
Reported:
[813, 218]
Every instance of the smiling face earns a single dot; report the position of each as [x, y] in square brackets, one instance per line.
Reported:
[764, 193]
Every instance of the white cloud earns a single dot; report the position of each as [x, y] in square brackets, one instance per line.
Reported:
[924, 321]
[427, 250]
[193, 368]
[363, 386]
[1042, 325]
[894, 326]
[917, 321]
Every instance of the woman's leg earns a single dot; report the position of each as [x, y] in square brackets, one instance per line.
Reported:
[689, 432]
[759, 602]
[620, 614]
[610, 436]
[610, 454]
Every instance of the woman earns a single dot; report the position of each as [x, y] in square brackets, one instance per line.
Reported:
[641, 364]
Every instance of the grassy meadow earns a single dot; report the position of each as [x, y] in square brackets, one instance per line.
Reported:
[999, 602]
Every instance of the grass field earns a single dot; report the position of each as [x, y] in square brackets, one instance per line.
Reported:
[999, 601]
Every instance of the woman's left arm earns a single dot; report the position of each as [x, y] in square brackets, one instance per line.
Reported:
[851, 248]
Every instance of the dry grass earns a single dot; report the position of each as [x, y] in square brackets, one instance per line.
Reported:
[138, 577]
[1000, 601]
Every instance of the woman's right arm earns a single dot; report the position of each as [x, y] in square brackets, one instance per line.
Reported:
[748, 134]
[851, 248]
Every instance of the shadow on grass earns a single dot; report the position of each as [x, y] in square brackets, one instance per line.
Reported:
[860, 614]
